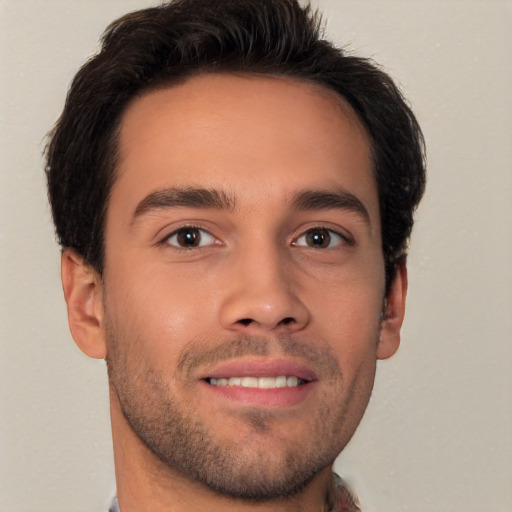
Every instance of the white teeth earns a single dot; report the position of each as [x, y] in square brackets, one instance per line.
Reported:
[281, 382]
[266, 382]
[249, 382]
[258, 382]
[291, 382]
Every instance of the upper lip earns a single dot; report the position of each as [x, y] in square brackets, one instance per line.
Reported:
[260, 368]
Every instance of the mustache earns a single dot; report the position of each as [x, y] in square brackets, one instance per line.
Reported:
[319, 358]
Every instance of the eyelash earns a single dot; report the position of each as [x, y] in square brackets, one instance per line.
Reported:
[338, 237]
[183, 230]
[342, 238]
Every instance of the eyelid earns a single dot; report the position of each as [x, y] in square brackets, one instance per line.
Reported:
[212, 240]
[343, 238]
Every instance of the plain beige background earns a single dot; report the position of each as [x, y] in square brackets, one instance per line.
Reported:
[437, 434]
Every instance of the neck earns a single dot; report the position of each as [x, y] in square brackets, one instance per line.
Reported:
[146, 483]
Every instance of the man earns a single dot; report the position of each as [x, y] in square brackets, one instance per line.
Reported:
[234, 198]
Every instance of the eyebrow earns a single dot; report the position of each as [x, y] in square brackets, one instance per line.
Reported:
[326, 200]
[203, 198]
[189, 197]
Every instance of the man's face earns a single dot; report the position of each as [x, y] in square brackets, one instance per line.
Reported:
[244, 280]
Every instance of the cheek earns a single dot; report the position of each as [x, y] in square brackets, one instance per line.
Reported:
[155, 313]
[349, 316]
[350, 309]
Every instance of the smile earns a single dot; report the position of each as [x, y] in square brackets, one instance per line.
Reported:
[258, 382]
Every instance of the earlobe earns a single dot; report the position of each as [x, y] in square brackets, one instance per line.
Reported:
[394, 313]
[83, 293]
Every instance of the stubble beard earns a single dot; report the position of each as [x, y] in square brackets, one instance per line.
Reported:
[187, 444]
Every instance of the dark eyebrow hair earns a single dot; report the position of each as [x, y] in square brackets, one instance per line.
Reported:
[190, 197]
[324, 200]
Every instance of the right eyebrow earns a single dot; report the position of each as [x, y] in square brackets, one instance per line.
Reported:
[190, 197]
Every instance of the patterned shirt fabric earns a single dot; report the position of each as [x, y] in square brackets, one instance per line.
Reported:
[340, 498]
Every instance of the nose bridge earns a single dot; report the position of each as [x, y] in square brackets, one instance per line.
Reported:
[262, 293]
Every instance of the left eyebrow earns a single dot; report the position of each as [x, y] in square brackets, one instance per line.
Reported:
[326, 200]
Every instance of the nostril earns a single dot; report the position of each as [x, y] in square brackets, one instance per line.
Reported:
[246, 322]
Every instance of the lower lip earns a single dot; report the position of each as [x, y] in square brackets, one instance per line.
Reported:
[256, 397]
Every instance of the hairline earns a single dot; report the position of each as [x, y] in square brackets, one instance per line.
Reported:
[329, 93]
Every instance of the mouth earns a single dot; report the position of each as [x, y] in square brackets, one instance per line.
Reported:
[260, 383]
[282, 381]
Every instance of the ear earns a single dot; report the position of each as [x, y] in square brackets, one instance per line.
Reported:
[394, 311]
[83, 289]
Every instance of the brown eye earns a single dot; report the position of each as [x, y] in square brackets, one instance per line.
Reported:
[320, 238]
[190, 238]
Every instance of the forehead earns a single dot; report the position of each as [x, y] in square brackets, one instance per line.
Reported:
[242, 132]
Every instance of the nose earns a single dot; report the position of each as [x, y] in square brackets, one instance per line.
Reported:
[261, 295]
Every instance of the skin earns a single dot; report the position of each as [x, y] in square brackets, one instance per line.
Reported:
[256, 290]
